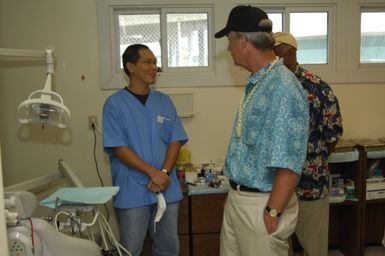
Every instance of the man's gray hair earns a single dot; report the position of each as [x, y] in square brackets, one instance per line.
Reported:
[260, 40]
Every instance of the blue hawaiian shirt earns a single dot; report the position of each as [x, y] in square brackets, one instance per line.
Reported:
[325, 127]
[274, 131]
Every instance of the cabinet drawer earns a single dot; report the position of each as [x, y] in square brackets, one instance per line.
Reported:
[207, 212]
[206, 244]
[183, 216]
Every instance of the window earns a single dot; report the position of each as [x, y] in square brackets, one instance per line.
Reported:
[310, 27]
[277, 19]
[341, 41]
[372, 48]
[139, 28]
[311, 31]
[180, 38]
[186, 37]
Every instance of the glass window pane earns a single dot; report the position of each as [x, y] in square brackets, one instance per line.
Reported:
[187, 39]
[140, 29]
[372, 37]
[277, 19]
[310, 29]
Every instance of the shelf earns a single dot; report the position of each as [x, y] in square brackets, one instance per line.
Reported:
[344, 203]
[376, 201]
[376, 154]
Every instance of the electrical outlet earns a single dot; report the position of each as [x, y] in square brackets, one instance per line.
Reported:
[92, 119]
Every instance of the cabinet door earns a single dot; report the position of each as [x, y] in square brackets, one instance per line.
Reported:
[206, 222]
[206, 244]
[374, 222]
[207, 213]
[183, 224]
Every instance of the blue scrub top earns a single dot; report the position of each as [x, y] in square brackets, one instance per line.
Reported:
[147, 130]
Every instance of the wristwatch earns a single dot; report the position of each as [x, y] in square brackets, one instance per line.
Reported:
[164, 170]
[273, 212]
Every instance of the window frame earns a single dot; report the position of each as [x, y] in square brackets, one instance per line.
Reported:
[344, 48]
[112, 75]
[330, 10]
[209, 67]
[117, 59]
[368, 8]
[354, 71]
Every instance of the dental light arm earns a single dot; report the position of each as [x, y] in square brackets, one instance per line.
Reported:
[22, 53]
[42, 106]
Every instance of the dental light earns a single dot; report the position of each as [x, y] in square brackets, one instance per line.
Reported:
[42, 106]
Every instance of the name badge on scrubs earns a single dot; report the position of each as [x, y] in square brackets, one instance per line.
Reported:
[161, 119]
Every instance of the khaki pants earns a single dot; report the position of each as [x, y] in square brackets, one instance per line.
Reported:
[313, 226]
[243, 229]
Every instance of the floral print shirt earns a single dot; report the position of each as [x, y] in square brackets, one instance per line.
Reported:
[325, 127]
[274, 130]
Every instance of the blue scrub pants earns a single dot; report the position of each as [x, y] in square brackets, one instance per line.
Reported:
[135, 222]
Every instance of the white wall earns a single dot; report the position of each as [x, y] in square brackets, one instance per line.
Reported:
[70, 27]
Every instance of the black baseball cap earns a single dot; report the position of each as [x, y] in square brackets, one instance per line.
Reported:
[244, 18]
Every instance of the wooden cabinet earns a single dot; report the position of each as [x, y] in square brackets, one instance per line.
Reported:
[183, 227]
[206, 213]
[345, 219]
[200, 221]
[356, 224]
[374, 221]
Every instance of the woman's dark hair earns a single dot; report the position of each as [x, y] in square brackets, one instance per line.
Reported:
[131, 54]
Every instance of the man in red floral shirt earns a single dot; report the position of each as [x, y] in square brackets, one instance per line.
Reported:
[324, 131]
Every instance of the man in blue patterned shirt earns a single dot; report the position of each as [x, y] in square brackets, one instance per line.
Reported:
[325, 130]
[268, 143]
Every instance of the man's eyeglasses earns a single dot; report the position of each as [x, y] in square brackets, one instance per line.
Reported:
[149, 61]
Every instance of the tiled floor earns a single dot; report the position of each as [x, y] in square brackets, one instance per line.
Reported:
[369, 251]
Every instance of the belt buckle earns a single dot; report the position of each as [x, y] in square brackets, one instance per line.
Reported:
[238, 187]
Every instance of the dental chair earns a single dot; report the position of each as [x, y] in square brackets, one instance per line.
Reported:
[36, 237]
